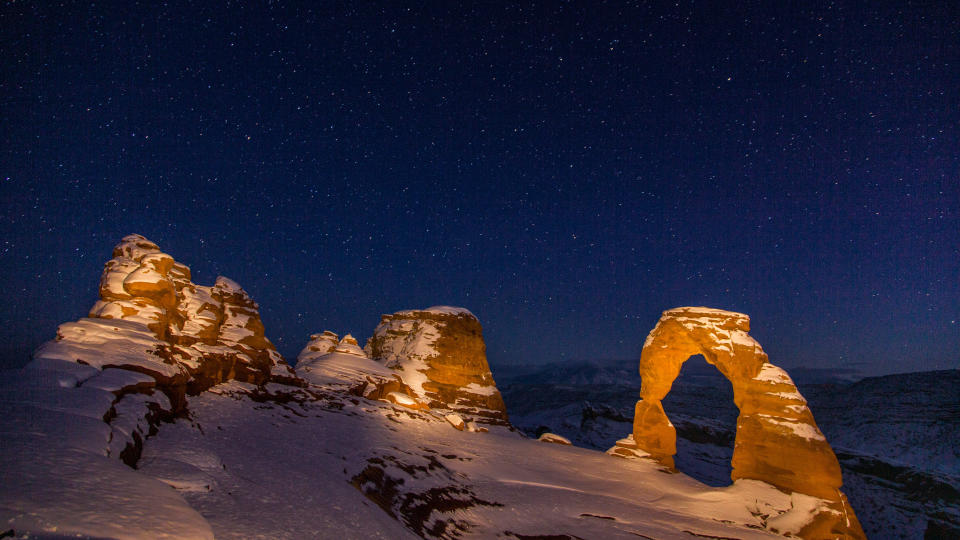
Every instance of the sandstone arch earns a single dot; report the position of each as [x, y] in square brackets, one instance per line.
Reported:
[777, 439]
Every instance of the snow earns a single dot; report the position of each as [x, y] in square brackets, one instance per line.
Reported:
[58, 480]
[131, 412]
[348, 345]
[543, 489]
[792, 396]
[554, 438]
[229, 468]
[111, 282]
[800, 429]
[128, 310]
[67, 373]
[773, 374]
[408, 352]
[117, 380]
[450, 310]
[228, 285]
[144, 274]
[136, 247]
[107, 342]
[474, 388]
[238, 465]
[725, 339]
[57, 490]
[199, 307]
[804, 508]
[341, 370]
[234, 334]
[455, 420]
[743, 339]
[704, 312]
[402, 399]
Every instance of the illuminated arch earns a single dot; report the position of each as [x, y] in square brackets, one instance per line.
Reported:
[777, 439]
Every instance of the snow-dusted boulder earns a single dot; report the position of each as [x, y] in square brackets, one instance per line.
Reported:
[554, 438]
[456, 421]
[440, 354]
[777, 439]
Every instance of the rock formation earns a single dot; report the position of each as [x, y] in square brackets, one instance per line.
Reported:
[554, 438]
[328, 359]
[777, 440]
[440, 354]
[152, 319]
[319, 345]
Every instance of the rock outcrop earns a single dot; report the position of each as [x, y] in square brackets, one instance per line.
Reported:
[319, 345]
[554, 438]
[440, 354]
[152, 319]
[777, 439]
[329, 360]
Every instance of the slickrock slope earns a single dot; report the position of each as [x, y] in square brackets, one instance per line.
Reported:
[777, 439]
[440, 354]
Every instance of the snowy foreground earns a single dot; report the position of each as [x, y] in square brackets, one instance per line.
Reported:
[279, 461]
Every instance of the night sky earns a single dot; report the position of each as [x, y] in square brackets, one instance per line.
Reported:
[565, 170]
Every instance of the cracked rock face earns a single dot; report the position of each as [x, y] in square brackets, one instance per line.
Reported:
[777, 440]
[440, 354]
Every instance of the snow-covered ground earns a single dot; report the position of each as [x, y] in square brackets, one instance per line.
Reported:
[281, 461]
[897, 437]
[319, 461]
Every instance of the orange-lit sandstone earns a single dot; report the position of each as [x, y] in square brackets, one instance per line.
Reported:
[777, 440]
[210, 334]
[440, 354]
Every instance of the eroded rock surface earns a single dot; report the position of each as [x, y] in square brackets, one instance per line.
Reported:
[777, 440]
[153, 320]
[440, 354]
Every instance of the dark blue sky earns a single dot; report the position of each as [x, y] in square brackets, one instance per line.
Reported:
[566, 170]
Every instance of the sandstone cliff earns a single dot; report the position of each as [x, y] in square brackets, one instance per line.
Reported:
[777, 439]
[440, 354]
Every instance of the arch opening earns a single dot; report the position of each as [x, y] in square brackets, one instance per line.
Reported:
[700, 407]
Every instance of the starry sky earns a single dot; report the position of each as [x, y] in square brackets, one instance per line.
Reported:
[565, 170]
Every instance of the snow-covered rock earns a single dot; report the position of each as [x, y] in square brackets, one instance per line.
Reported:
[440, 354]
[403, 399]
[456, 421]
[340, 363]
[349, 345]
[554, 438]
[777, 439]
[319, 345]
[151, 338]
[153, 319]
